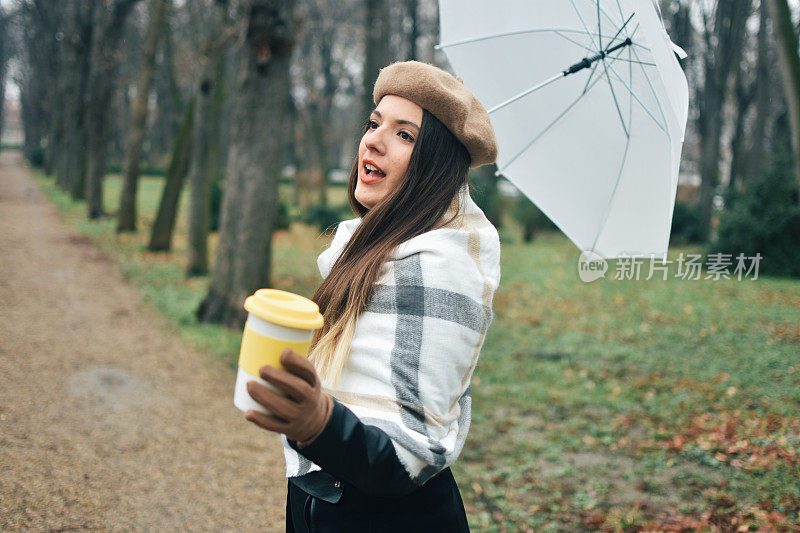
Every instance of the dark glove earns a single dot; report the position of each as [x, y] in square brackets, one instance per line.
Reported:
[303, 414]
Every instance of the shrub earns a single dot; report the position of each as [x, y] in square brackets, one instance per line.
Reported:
[36, 157]
[283, 216]
[764, 217]
[147, 170]
[324, 217]
[485, 193]
[531, 218]
[685, 224]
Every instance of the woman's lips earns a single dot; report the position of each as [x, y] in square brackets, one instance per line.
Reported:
[370, 179]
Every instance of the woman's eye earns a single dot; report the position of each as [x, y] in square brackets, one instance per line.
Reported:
[370, 123]
[406, 136]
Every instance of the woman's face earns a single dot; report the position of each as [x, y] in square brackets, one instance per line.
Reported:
[387, 144]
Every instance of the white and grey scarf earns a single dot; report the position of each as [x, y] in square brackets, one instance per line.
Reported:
[416, 344]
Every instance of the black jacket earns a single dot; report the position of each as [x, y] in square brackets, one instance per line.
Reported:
[355, 454]
[363, 487]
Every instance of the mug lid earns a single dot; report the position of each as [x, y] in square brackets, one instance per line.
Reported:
[284, 308]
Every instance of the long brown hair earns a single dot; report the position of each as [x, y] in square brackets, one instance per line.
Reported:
[437, 169]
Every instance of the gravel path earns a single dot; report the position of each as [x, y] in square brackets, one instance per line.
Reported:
[107, 420]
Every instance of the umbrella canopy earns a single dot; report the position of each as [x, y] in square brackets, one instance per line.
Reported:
[589, 106]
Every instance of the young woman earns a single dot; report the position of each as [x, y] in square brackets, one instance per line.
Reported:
[375, 416]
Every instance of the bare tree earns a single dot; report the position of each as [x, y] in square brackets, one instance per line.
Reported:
[39, 47]
[47, 52]
[203, 163]
[5, 46]
[744, 93]
[413, 35]
[250, 200]
[789, 66]
[164, 224]
[108, 18]
[328, 36]
[376, 47]
[126, 216]
[723, 46]
[71, 170]
[764, 90]
[322, 79]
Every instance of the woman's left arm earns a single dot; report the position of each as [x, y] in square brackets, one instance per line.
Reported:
[331, 434]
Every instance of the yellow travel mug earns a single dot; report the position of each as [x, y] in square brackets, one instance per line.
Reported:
[276, 320]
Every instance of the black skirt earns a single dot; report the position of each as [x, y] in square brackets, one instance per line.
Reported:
[435, 507]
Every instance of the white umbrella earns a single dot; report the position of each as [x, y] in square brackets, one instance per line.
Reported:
[589, 105]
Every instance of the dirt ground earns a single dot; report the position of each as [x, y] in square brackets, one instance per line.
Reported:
[107, 420]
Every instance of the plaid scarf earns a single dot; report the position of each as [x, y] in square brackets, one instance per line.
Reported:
[416, 344]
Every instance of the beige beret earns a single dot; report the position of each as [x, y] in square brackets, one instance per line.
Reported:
[448, 99]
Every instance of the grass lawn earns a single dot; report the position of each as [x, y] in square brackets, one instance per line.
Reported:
[617, 405]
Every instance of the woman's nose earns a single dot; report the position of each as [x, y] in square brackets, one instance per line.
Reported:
[373, 140]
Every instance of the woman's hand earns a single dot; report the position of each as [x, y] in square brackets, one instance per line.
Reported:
[304, 413]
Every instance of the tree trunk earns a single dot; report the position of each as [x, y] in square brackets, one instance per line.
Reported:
[205, 130]
[789, 66]
[171, 104]
[300, 135]
[126, 217]
[296, 133]
[108, 19]
[4, 56]
[72, 172]
[319, 125]
[54, 150]
[250, 200]
[413, 8]
[52, 72]
[42, 21]
[744, 93]
[325, 113]
[161, 235]
[377, 49]
[729, 25]
[764, 84]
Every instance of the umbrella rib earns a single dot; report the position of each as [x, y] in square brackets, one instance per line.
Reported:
[520, 32]
[526, 92]
[577, 11]
[614, 95]
[621, 167]
[599, 29]
[610, 20]
[500, 170]
[613, 194]
[619, 7]
[623, 27]
[639, 62]
[558, 32]
[652, 90]
[616, 104]
[537, 87]
[594, 67]
[663, 128]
